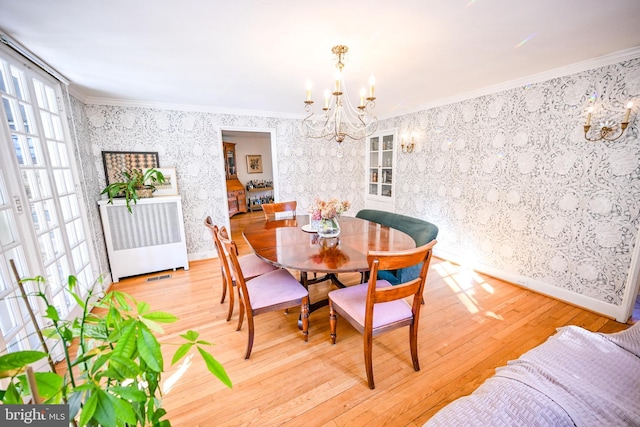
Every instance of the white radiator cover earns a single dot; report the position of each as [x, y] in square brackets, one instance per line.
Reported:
[149, 239]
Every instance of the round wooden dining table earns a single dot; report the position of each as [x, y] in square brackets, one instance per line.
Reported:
[284, 243]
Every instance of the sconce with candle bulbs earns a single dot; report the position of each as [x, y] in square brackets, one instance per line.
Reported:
[407, 147]
[608, 131]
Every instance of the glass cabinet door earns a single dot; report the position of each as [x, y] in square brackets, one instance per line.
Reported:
[230, 160]
[380, 168]
[386, 166]
[374, 155]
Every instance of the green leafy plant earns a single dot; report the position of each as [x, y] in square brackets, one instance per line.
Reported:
[135, 181]
[114, 378]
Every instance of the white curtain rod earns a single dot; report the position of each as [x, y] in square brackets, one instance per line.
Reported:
[4, 38]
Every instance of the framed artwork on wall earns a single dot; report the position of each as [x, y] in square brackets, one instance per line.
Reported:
[170, 186]
[116, 162]
[254, 163]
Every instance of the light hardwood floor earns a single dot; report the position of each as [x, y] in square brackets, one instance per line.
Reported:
[470, 325]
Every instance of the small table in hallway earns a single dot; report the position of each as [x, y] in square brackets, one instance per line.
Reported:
[283, 243]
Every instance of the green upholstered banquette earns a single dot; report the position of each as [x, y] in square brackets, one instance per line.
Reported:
[421, 231]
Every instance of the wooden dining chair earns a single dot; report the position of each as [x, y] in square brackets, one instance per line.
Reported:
[376, 307]
[271, 209]
[276, 290]
[252, 266]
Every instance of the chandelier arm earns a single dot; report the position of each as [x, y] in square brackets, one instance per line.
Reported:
[360, 119]
[308, 117]
[361, 115]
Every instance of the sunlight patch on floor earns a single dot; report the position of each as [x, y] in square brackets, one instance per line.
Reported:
[468, 303]
[452, 284]
[493, 315]
[467, 278]
[445, 268]
[487, 287]
[173, 379]
[465, 282]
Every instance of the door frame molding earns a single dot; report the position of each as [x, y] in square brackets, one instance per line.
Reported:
[274, 157]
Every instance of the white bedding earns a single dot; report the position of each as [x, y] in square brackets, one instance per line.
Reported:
[576, 378]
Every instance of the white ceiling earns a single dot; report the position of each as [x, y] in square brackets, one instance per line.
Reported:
[255, 56]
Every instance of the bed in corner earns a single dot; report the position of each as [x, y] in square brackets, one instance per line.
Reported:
[575, 378]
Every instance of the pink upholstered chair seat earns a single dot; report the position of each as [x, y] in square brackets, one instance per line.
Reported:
[377, 306]
[273, 288]
[353, 300]
[253, 266]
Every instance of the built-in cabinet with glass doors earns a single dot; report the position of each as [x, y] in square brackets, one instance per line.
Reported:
[381, 167]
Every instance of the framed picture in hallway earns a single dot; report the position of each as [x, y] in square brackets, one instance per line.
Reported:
[254, 163]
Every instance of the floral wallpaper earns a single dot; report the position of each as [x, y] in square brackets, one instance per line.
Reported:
[512, 183]
[507, 177]
[90, 178]
[190, 141]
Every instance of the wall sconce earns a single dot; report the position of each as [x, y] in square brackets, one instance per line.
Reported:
[407, 147]
[608, 129]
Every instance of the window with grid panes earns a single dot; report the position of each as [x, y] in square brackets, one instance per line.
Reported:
[41, 227]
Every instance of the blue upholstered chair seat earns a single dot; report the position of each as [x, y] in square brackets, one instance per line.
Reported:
[420, 230]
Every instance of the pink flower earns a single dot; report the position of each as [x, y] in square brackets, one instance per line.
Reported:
[321, 209]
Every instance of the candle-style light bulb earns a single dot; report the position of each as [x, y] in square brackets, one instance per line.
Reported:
[372, 83]
[362, 94]
[589, 111]
[338, 76]
[308, 90]
[327, 94]
[627, 113]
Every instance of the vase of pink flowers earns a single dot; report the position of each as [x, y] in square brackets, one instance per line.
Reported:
[325, 216]
[329, 227]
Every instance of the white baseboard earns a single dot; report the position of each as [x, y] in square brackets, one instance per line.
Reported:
[202, 255]
[588, 303]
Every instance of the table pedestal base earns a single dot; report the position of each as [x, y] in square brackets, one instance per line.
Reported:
[305, 281]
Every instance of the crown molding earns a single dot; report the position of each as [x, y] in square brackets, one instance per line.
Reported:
[77, 93]
[33, 58]
[590, 64]
[187, 107]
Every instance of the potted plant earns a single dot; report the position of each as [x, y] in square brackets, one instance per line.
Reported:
[113, 379]
[137, 185]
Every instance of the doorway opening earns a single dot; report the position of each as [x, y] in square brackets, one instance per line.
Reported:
[250, 171]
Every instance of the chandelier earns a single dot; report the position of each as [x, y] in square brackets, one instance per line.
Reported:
[339, 118]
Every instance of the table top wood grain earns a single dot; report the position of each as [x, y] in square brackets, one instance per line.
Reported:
[283, 243]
